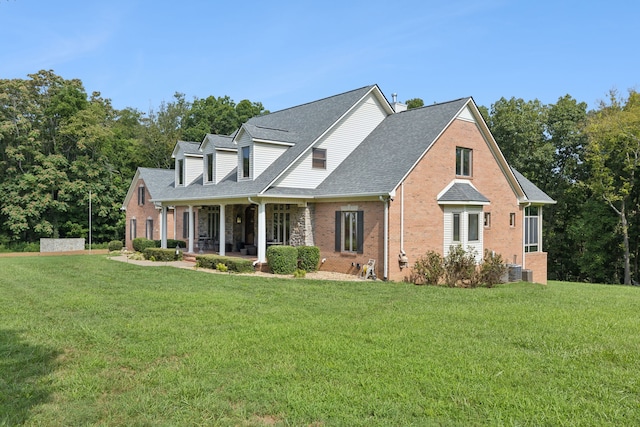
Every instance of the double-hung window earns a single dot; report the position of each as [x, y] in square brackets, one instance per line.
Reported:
[319, 158]
[148, 231]
[132, 228]
[464, 161]
[349, 231]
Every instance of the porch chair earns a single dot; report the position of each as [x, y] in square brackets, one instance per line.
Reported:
[368, 270]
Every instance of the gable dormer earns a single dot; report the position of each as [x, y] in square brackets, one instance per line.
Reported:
[258, 148]
[219, 158]
[188, 162]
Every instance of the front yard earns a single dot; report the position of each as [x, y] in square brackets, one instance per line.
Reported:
[89, 341]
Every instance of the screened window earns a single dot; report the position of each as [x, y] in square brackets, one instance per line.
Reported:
[349, 231]
[487, 219]
[209, 167]
[319, 158]
[281, 231]
[141, 194]
[246, 155]
[532, 229]
[180, 172]
[464, 161]
[512, 219]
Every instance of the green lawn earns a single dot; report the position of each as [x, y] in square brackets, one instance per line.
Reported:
[89, 341]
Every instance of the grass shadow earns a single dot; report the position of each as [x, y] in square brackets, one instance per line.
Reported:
[24, 369]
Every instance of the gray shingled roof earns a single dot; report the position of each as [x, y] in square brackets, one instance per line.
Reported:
[306, 123]
[463, 192]
[190, 147]
[220, 141]
[379, 164]
[157, 180]
[533, 193]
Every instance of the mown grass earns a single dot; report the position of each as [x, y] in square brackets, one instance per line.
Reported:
[89, 341]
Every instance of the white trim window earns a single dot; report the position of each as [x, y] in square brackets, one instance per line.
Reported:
[209, 167]
[532, 229]
[245, 153]
[180, 172]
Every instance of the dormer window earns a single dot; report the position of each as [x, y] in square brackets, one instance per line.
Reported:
[464, 160]
[246, 162]
[319, 158]
[209, 167]
[180, 172]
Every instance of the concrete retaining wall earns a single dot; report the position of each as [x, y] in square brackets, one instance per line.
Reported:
[62, 245]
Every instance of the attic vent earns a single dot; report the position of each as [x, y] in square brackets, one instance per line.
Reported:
[397, 106]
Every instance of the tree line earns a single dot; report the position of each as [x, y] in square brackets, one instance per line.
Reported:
[58, 144]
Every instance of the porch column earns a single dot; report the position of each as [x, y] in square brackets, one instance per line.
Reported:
[163, 228]
[191, 227]
[262, 233]
[221, 240]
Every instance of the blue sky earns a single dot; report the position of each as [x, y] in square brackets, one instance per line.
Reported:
[284, 53]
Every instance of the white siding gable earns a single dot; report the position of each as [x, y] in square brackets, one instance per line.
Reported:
[466, 115]
[192, 168]
[339, 143]
[264, 154]
[225, 162]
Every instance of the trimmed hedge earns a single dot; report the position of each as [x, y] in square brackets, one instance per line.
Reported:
[171, 243]
[238, 265]
[282, 259]
[141, 243]
[115, 245]
[159, 254]
[308, 258]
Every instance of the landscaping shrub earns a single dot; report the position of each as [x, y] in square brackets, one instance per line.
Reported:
[299, 273]
[222, 267]
[115, 245]
[492, 269]
[308, 258]
[141, 243]
[460, 267]
[159, 254]
[428, 269]
[282, 259]
[238, 265]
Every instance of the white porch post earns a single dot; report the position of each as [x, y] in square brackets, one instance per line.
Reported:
[163, 228]
[262, 233]
[221, 240]
[191, 227]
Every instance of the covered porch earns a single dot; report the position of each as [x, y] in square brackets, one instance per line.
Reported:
[243, 228]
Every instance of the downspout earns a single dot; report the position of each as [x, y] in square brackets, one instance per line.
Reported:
[524, 225]
[402, 218]
[386, 238]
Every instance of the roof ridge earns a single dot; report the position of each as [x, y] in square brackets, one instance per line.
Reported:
[436, 104]
[315, 101]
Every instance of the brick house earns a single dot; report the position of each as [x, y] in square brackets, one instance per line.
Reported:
[355, 175]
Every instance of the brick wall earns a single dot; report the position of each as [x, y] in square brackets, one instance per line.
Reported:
[424, 218]
[142, 212]
[537, 262]
[324, 237]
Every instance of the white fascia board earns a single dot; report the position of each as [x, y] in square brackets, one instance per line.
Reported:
[267, 141]
[459, 203]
